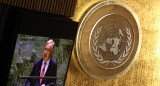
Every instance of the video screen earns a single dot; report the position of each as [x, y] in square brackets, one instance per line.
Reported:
[29, 55]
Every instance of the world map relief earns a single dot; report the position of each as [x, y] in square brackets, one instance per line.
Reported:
[114, 42]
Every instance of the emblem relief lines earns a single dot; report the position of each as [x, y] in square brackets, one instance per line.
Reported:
[108, 40]
[100, 57]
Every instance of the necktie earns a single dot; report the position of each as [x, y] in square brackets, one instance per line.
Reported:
[42, 72]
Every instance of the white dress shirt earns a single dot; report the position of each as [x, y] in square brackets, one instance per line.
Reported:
[46, 67]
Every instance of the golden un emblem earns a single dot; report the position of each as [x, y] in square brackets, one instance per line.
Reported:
[109, 40]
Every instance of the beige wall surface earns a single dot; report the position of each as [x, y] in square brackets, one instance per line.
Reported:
[146, 70]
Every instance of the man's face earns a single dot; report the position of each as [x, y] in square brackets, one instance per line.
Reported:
[47, 52]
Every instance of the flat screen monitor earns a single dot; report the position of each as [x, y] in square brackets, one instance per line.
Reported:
[23, 43]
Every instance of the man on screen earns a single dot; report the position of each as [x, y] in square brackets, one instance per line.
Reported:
[45, 66]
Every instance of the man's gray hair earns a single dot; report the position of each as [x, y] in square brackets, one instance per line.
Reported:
[51, 42]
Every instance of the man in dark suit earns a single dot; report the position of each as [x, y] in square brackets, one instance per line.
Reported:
[45, 66]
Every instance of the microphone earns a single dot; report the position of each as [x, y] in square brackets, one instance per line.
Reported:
[43, 70]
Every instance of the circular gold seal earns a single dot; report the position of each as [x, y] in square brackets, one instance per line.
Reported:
[109, 40]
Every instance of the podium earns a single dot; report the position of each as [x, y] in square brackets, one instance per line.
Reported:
[38, 77]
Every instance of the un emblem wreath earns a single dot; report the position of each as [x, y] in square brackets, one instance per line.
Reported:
[108, 40]
[121, 58]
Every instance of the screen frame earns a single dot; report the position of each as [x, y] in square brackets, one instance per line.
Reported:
[22, 21]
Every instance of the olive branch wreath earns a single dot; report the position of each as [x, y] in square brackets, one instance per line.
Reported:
[99, 57]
